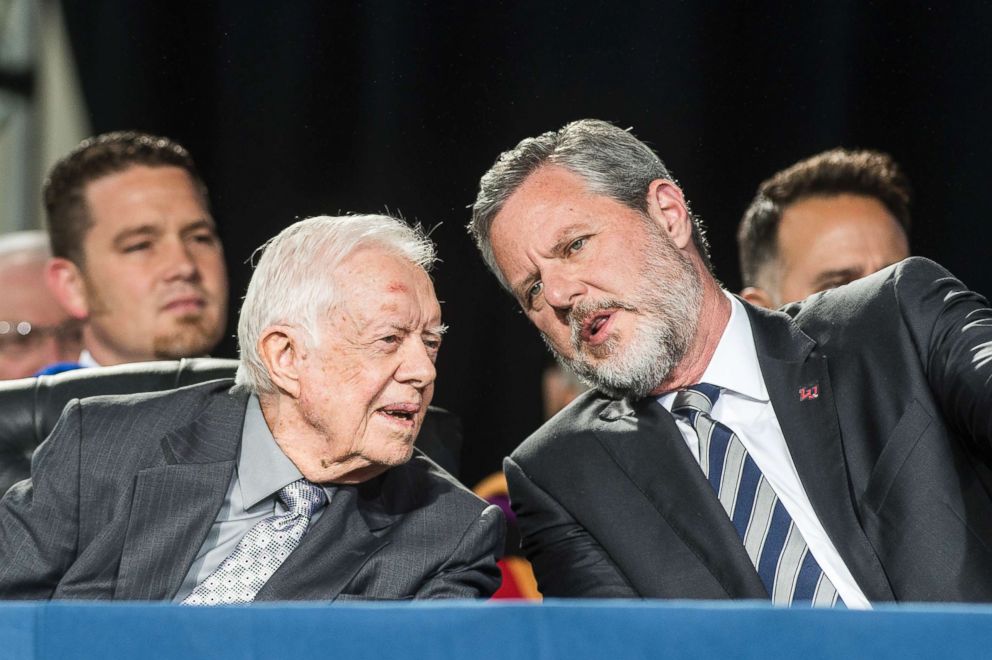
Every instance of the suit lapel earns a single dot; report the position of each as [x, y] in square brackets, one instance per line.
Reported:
[175, 504]
[798, 384]
[646, 444]
[331, 554]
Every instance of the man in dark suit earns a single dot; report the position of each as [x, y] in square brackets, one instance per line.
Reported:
[833, 452]
[300, 482]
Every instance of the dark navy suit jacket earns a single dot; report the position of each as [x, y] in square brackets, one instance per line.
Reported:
[892, 451]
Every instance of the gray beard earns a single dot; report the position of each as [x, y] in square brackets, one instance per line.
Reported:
[667, 304]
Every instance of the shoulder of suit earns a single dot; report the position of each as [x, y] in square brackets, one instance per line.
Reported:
[423, 482]
[906, 277]
[877, 308]
[159, 409]
[560, 433]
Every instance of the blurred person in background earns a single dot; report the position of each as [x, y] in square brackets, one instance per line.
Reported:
[34, 329]
[136, 256]
[559, 387]
[825, 221]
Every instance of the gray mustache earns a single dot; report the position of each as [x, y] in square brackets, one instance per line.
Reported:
[581, 312]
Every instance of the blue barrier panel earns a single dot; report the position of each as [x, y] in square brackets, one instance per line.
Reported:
[482, 631]
[17, 630]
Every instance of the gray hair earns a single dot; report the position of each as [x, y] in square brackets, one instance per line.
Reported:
[611, 161]
[32, 244]
[293, 282]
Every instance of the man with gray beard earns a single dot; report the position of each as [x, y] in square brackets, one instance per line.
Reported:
[833, 453]
[657, 344]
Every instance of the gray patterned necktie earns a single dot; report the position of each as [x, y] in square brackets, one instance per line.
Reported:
[262, 550]
[771, 538]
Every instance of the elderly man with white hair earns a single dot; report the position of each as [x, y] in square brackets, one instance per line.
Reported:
[299, 482]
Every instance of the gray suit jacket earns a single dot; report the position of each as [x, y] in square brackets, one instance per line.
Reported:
[125, 490]
[883, 390]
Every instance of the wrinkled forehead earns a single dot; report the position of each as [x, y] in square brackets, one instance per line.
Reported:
[380, 285]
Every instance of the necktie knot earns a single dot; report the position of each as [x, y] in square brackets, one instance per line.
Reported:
[303, 497]
[698, 398]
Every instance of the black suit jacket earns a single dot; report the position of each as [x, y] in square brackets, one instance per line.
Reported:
[892, 452]
[126, 488]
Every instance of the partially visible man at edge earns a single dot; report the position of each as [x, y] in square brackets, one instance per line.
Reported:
[136, 255]
[34, 329]
[830, 453]
[823, 222]
[297, 483]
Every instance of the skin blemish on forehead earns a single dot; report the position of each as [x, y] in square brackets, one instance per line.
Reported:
[388, 307]
[397, 287]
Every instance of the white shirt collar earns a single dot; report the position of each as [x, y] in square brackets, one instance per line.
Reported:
[734, 365]
[263, 469]
[86, 359]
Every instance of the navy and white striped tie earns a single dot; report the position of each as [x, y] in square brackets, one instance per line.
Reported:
[773, 542]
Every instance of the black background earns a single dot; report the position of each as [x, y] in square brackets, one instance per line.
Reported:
[301, 108]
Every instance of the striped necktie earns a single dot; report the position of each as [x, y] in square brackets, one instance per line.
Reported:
[775, 545]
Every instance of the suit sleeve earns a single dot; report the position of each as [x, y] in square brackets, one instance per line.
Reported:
[39, 517]
[952, 327]
[471, 570]
[568, 562]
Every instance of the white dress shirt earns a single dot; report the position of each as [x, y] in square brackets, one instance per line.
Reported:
[86, 359]
[744, 407]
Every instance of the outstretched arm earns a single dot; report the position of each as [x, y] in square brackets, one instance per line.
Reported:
[952, 328]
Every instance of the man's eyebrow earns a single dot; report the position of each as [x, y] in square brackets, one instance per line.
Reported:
[197, 225]
[850, 273]
[565, 235]
[439, 329]
[150, 230]
[131, 232]
[520, 288]
[562, 238]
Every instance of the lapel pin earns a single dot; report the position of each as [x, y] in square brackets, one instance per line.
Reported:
[809, 393]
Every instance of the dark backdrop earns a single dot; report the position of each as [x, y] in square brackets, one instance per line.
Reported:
[308, 107]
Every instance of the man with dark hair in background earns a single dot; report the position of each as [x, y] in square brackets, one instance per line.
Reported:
[823, 222]
[832, 452]
[136, 254]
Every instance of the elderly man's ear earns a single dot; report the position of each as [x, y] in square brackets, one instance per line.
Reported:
[282, 350]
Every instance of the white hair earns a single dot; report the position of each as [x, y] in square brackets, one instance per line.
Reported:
[24, 246]
[294, 281]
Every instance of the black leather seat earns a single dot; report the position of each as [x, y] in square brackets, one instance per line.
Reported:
[30, 407]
